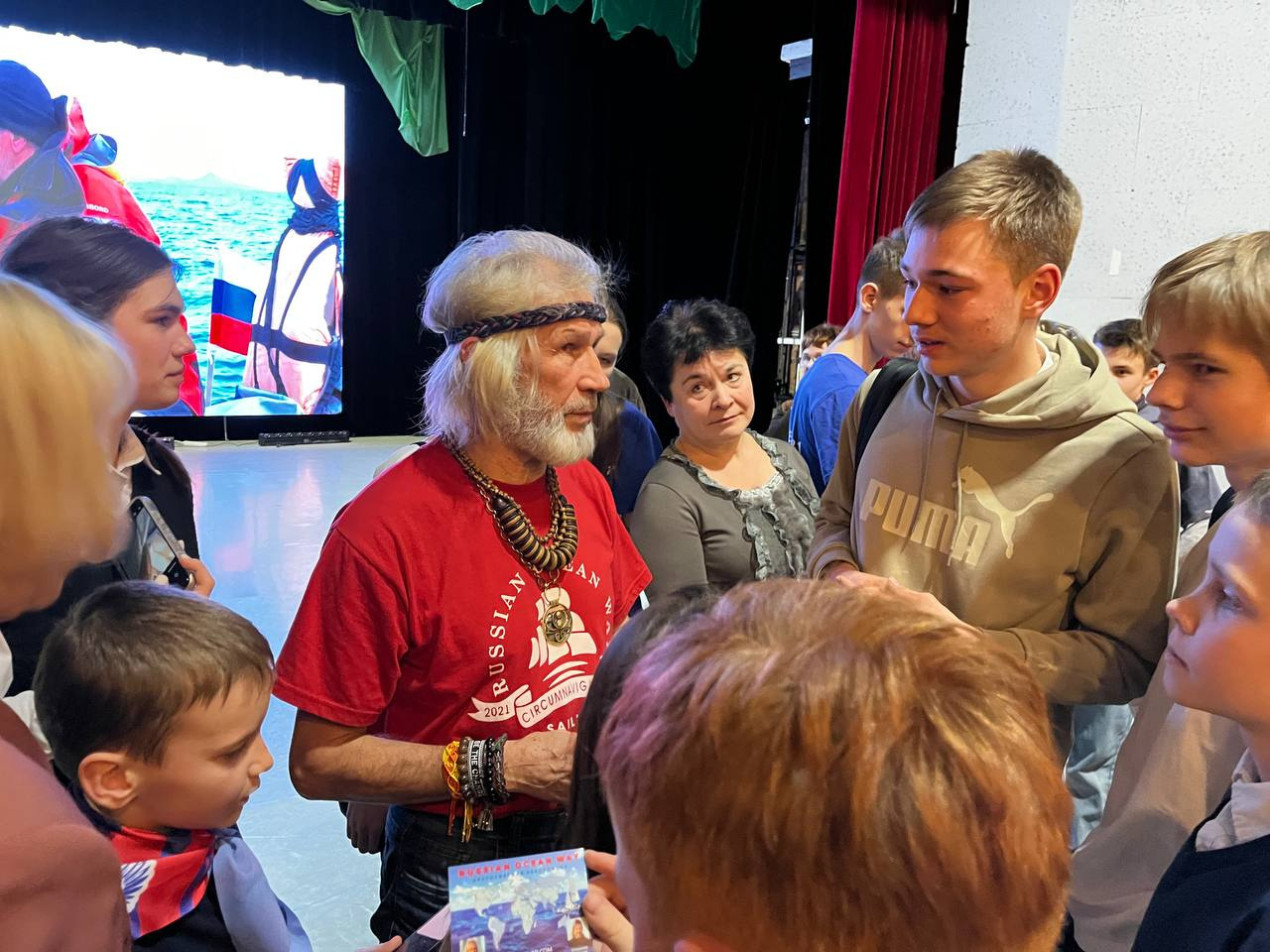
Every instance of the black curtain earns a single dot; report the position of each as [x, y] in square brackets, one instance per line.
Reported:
[687, 178]
[833, 27]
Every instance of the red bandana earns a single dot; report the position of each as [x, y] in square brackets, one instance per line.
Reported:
[164, 875]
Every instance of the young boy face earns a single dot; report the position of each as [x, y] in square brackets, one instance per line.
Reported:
[211, 765]
[1132, 374]
[1214, 401]
[970, 319]
[1221, 632]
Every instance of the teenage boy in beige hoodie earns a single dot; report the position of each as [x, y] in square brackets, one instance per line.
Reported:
[1010, 478]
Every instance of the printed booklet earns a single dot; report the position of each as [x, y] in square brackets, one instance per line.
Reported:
[519, 904]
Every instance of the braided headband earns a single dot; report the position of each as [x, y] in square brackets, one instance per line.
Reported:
[538, 317]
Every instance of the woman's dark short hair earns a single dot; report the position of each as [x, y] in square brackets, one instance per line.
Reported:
[685, 331]
[91, 265]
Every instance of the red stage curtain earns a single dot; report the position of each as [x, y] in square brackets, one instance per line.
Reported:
[892, 130]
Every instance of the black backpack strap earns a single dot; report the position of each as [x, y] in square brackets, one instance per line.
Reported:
[889, 382]
[1222, 506]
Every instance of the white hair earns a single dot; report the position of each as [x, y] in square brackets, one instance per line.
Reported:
[495, 272]
[486, 276]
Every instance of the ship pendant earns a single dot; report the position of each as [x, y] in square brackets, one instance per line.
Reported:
[557, 624]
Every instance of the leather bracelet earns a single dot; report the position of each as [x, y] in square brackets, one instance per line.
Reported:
[465, 770]
[476, 771]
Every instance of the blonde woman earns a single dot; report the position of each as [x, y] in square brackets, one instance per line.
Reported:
[65, 390]
[58, 507]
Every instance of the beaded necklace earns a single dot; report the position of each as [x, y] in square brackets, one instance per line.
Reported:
[544, 557]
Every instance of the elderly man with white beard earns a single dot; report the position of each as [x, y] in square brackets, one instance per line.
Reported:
[450, 631]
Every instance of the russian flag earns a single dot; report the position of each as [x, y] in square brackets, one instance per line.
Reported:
[233, 305]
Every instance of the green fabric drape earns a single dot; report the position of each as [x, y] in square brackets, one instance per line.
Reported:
[407, 58]
[676, 20]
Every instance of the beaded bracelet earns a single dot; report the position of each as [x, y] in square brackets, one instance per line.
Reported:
[496, 779]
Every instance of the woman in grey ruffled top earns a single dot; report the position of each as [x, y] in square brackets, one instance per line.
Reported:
[723, 504]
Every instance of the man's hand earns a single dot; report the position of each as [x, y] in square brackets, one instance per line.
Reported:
[540, 765]
[919, 601]
[604, 906]
[201, 580]
[366, 826]
[389, 946]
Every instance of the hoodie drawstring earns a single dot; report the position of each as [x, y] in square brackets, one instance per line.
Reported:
[961, 445]
[930, 443]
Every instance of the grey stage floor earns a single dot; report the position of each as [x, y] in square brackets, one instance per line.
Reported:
[262, 515]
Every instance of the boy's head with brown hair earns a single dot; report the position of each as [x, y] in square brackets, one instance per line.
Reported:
[152, 699]
[879, 310]
[838, 764]
[1127, 350]
[1207, 314]
[989, 243]
[814, 343]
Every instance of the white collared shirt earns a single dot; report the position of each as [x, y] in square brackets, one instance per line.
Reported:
[1245, 818]
[1047, 358]
[131, 452]
[22, 704]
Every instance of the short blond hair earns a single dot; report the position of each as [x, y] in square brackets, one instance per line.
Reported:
[1032, 210]
[838, 764]
[489, 275]
[1222, 287]
[65, 389]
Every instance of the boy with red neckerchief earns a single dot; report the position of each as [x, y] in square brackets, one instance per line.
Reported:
[153, 700]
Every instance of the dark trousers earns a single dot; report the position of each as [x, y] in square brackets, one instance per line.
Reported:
[418, 852]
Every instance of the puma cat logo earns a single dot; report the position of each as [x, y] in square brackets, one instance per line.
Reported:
[975, 485]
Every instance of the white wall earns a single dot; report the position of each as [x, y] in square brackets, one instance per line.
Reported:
[1158, 110]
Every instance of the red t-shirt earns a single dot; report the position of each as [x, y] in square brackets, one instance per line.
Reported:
[420, 623]
[107, 198]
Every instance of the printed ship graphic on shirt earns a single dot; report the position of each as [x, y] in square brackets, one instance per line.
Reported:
[568, 677]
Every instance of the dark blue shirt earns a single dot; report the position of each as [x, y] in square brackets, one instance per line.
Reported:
[1215, 901]
[820, 403]
[640, 450]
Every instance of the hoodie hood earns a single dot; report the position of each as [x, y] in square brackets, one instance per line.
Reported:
[1071, 391]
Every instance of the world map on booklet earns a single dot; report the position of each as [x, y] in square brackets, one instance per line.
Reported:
[519, 904]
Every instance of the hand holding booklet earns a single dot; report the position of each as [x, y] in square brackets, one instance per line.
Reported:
[519, 904]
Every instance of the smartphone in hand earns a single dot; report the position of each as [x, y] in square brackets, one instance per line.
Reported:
[153, 550]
